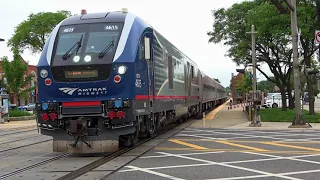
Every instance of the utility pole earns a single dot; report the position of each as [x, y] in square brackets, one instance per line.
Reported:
[299, 120]
[254, 78]
[1, 119]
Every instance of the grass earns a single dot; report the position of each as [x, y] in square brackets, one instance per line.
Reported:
[16, 113]
[277, 115]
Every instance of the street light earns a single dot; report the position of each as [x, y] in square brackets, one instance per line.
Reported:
[1, 39]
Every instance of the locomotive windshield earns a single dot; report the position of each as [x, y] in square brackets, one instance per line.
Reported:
[86, 44]
[84, 52]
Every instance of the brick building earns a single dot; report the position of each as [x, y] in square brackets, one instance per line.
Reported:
[32, 97]
[234, 84]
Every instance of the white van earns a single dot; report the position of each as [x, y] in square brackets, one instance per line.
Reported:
[274, 100]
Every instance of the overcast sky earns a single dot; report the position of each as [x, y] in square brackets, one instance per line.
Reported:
[184, 23]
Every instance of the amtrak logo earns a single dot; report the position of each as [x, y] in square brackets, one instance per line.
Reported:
[84, 91]
[69, 91]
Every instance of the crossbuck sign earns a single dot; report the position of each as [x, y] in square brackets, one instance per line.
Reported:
[317, 37]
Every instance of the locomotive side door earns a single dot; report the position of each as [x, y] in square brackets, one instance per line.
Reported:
[149, 63]
[150, 123]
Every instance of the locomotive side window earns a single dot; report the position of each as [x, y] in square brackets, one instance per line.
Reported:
[170, 72]
[192, 72]
[141, 48]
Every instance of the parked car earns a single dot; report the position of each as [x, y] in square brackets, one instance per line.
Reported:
[29, 107]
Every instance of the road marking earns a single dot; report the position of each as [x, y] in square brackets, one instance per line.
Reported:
[240, 145]
[237, 134]
[290, 146]
[236, 150]
[287, 158]
[154, 173]
[228, 162]
[230, 166]
[187, 154]
[243, 141]
[188, 144]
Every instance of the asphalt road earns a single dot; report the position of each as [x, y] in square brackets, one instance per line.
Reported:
[229, 154]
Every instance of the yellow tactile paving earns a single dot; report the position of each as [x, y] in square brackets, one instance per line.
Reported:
[212, 114]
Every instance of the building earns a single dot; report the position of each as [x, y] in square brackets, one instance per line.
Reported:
[234, 84]
[32, 96]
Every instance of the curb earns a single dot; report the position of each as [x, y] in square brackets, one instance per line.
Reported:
[21, 118]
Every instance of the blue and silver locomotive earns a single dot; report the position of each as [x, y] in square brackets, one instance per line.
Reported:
[108, 78]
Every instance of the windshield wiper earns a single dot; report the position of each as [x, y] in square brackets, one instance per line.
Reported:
[106, 49]
[68, 54]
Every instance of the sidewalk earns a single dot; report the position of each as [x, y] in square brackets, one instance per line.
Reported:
[221, 117]
[18, 124]
[235, 118]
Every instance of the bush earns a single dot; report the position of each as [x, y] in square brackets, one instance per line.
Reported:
[16, 113]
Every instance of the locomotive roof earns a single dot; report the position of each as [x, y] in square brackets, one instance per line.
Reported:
[96, 18]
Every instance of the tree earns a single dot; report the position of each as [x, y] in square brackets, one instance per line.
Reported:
[32, 33]
[216, 79]
[245, 85]
[15, 73]
[266, 85]
[273, 45]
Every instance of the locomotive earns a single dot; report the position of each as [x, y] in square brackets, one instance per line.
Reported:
[106, 79]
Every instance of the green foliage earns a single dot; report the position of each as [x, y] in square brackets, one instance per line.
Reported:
[16, 113]
[216, 79]
[273, 40]
[266, 85]
[246, 85]
[32, 33]
[276, 115]
[15, 72]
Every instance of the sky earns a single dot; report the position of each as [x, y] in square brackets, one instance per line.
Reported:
[183, 23]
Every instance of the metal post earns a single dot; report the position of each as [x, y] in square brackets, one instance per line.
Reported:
[203, 119]
[254, 79]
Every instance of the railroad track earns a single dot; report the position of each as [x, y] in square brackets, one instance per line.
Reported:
[7, 132]
[18, 171]
[21, 139]
[26, 145]
[87, 168]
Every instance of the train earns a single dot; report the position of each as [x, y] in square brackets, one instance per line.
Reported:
[107, 79]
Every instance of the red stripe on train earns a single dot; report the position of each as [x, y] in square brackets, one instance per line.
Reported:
[83, 103]
[143, 97]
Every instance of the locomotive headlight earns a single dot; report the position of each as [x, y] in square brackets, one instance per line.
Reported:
[43, 73]
[76, 58]
[122, 69]
[87, 58]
